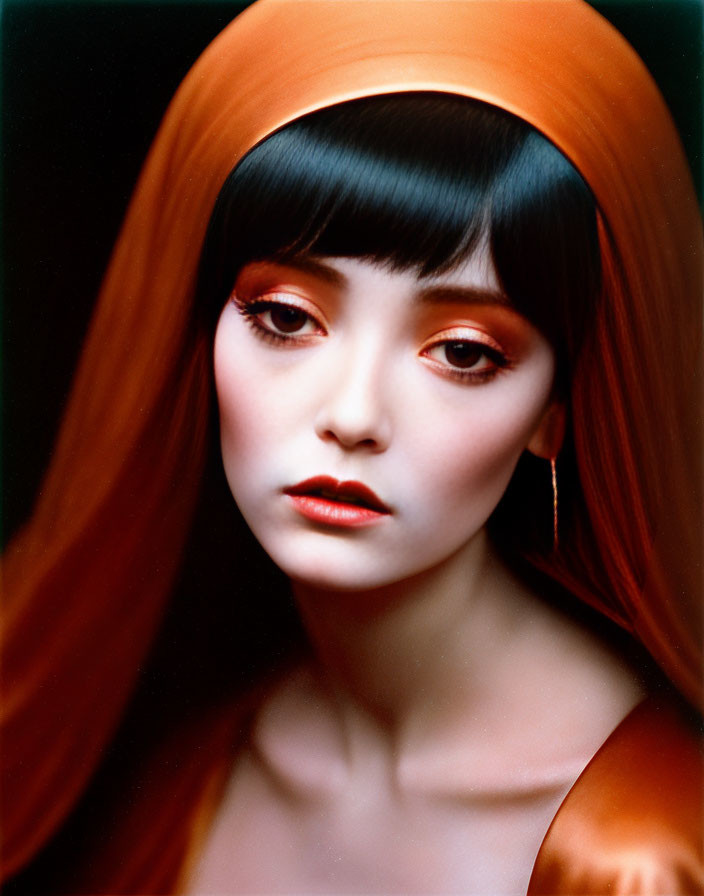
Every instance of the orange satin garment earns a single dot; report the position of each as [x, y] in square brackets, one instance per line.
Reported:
[632, 823]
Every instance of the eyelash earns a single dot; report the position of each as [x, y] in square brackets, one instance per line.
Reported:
[251, 308]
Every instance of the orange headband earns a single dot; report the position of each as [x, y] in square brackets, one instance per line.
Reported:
[555, 63]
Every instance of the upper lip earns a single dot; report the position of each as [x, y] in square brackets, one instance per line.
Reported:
[326, 486]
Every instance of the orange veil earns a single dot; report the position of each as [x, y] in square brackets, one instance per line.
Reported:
[87, 579]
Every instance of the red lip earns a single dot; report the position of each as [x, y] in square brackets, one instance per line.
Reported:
[326, 500]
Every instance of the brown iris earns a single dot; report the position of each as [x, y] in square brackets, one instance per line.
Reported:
[287, 319]
[463, 354]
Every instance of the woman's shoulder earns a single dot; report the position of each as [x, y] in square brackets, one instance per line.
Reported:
[632, 823]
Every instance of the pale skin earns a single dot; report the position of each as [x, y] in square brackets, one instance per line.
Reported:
[445, 709]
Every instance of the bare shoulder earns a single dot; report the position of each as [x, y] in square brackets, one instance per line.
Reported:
[565, 687]
[633, 821]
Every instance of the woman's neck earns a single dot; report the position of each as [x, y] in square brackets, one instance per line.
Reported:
[416, 655]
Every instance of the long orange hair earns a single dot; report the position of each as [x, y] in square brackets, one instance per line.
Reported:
[88, 578]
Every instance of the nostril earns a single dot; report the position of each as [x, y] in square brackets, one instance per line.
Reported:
[351, 439]
[348, 440]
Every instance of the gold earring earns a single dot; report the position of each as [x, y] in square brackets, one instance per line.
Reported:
[553, 468]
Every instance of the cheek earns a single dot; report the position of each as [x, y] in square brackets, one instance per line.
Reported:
[467, 453]
[245, 422]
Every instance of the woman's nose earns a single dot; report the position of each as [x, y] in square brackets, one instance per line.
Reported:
[354, 410]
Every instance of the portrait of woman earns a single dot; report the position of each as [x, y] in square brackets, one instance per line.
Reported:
[367, 559]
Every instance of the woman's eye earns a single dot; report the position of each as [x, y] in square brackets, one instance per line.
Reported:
[278, 321]
[287, 319]
[466, 358]
[462, 354]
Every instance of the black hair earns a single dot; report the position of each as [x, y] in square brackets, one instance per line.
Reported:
[414, 181]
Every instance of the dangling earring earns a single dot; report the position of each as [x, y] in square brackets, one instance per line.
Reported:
[553, 468]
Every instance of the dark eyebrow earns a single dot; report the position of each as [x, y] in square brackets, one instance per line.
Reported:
[433, 294]
[464, 295]
[309, 265]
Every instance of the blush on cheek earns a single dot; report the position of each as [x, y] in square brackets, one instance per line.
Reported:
[235, 430]
[487, 474]
[475, 458]
[238, 401]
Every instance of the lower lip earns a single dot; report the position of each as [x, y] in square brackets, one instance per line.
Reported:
[335, 513]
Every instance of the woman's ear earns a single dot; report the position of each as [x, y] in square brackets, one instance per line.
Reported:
[546, 441]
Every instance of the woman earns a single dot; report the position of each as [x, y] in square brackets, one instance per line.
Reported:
[119, 497]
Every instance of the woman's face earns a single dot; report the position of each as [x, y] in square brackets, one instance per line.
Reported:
[423, 390]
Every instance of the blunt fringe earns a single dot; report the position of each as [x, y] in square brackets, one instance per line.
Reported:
[414, 181]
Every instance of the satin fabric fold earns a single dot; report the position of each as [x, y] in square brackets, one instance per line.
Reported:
[632, 823]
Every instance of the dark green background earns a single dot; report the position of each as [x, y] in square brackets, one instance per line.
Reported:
[84, 85]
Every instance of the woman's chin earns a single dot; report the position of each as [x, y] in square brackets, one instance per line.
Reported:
[342, 568]
[368, 558]
[324, 577]
[337, 570]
